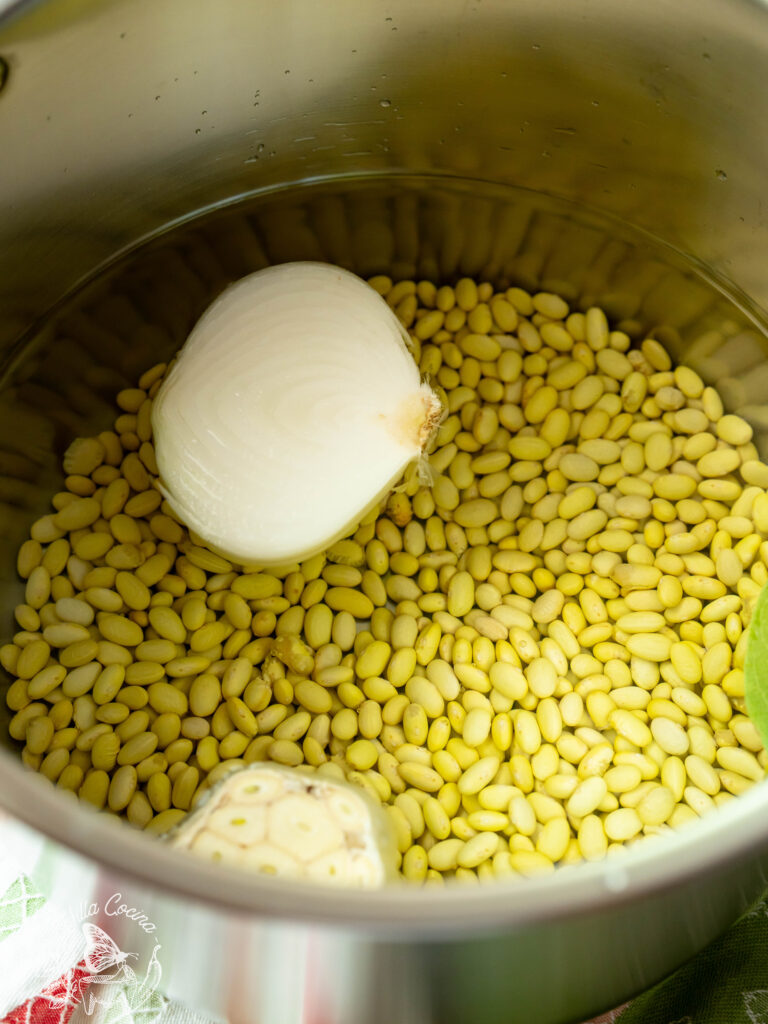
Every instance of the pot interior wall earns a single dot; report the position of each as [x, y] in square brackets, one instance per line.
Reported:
[120, 116]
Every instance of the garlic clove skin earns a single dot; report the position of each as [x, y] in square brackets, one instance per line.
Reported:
[292, 408]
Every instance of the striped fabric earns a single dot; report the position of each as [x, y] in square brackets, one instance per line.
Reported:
[56, 969]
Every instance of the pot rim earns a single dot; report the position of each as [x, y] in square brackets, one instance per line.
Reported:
[737, 832]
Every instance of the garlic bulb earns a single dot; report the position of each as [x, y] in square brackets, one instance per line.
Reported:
[280, 821]
[293, 407]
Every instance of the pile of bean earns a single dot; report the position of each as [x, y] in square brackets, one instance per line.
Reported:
[534, 660]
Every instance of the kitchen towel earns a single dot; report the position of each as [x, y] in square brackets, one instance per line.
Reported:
[57, 967]
[727, 983]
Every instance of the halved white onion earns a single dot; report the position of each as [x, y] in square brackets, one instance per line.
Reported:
[292, 408]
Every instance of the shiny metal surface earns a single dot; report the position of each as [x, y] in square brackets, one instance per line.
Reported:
[406, 124]
[120, 121]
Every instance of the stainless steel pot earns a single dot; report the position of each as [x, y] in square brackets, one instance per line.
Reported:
[507, 139]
